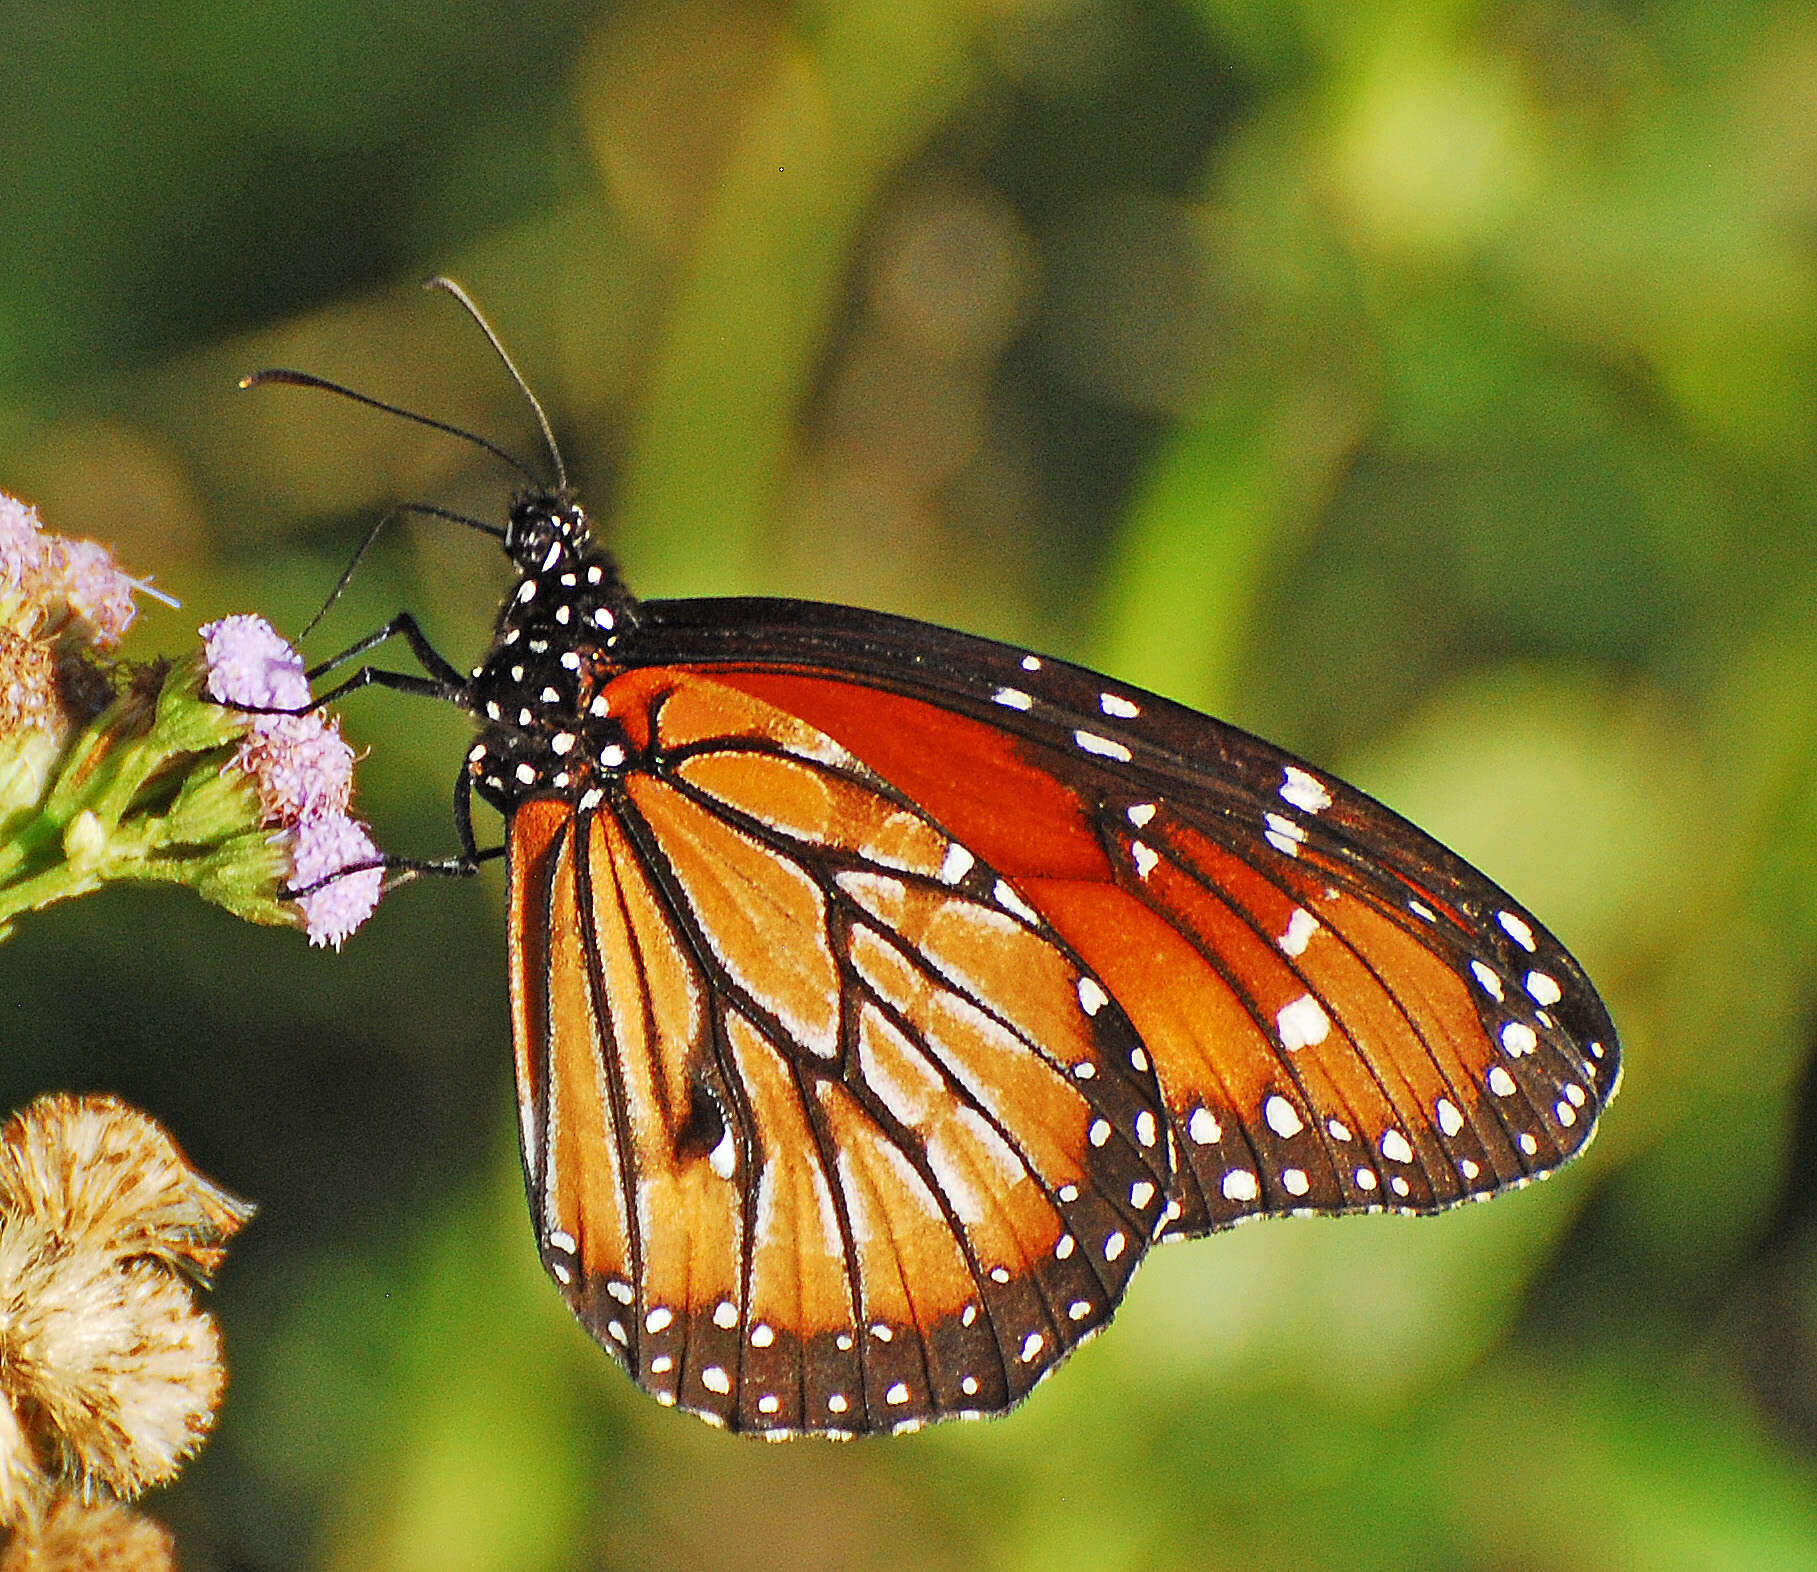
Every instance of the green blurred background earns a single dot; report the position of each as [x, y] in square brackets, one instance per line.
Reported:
[1428, 386]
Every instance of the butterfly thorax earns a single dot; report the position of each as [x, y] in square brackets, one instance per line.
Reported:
[537, 691]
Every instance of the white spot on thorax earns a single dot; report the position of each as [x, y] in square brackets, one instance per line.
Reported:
[526, 592]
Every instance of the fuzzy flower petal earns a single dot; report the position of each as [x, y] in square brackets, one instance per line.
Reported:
[249, 663]
[325, 844]
[302, 766]
[21, 545]
[85, 575]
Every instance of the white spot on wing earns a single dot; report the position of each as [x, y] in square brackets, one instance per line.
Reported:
[1395, 1147]
[1545, 989]
[1301, 926]
[1009, 900]
[1519, 1038]
[1241, 1185]
[1449, 1119]
[1104, 747]
[1092, 998]
[1282, 1117]
[1112, 704]
[956, 864]
[1203, 1127]
[1012, 699]
[1304, 790]
[1491, 984]
[1303, 1023]
[1517, 930]
[1141, 813]
[724, 1158]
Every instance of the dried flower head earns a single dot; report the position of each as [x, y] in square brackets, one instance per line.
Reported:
[89, 1536]
[110, 1371]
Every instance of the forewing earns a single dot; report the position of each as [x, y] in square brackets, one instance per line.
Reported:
[1343, 1014]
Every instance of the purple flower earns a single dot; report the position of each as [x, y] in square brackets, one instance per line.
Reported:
[250, 663]
[325, 844]
[90, 582]
[49, 583]
[303, 769]
[21, 544]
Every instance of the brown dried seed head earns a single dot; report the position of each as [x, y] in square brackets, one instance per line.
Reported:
[87, 1536]
[112, 1372]
[100, 1174]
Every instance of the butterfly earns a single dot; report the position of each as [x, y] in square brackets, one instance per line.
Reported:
[881, 995]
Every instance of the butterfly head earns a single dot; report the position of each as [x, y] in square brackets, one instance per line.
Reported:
[545, 529]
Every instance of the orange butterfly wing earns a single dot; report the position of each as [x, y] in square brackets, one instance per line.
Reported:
[1330, 1035]
[825, 1128]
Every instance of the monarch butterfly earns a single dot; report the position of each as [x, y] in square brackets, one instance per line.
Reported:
[880, 994]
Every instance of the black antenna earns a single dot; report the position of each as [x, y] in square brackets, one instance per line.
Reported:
[449, 287]
[366, 545]
[302, 379]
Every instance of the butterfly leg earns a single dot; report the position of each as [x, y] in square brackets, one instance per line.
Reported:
[443, 681]
[463, 864]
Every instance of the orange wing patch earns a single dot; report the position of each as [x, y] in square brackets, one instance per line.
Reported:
[826, 1128]
[1329, 1035]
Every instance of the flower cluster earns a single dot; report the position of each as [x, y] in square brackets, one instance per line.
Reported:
[303, 771]
[167, 771]
[61, 602]
[110, 1373]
